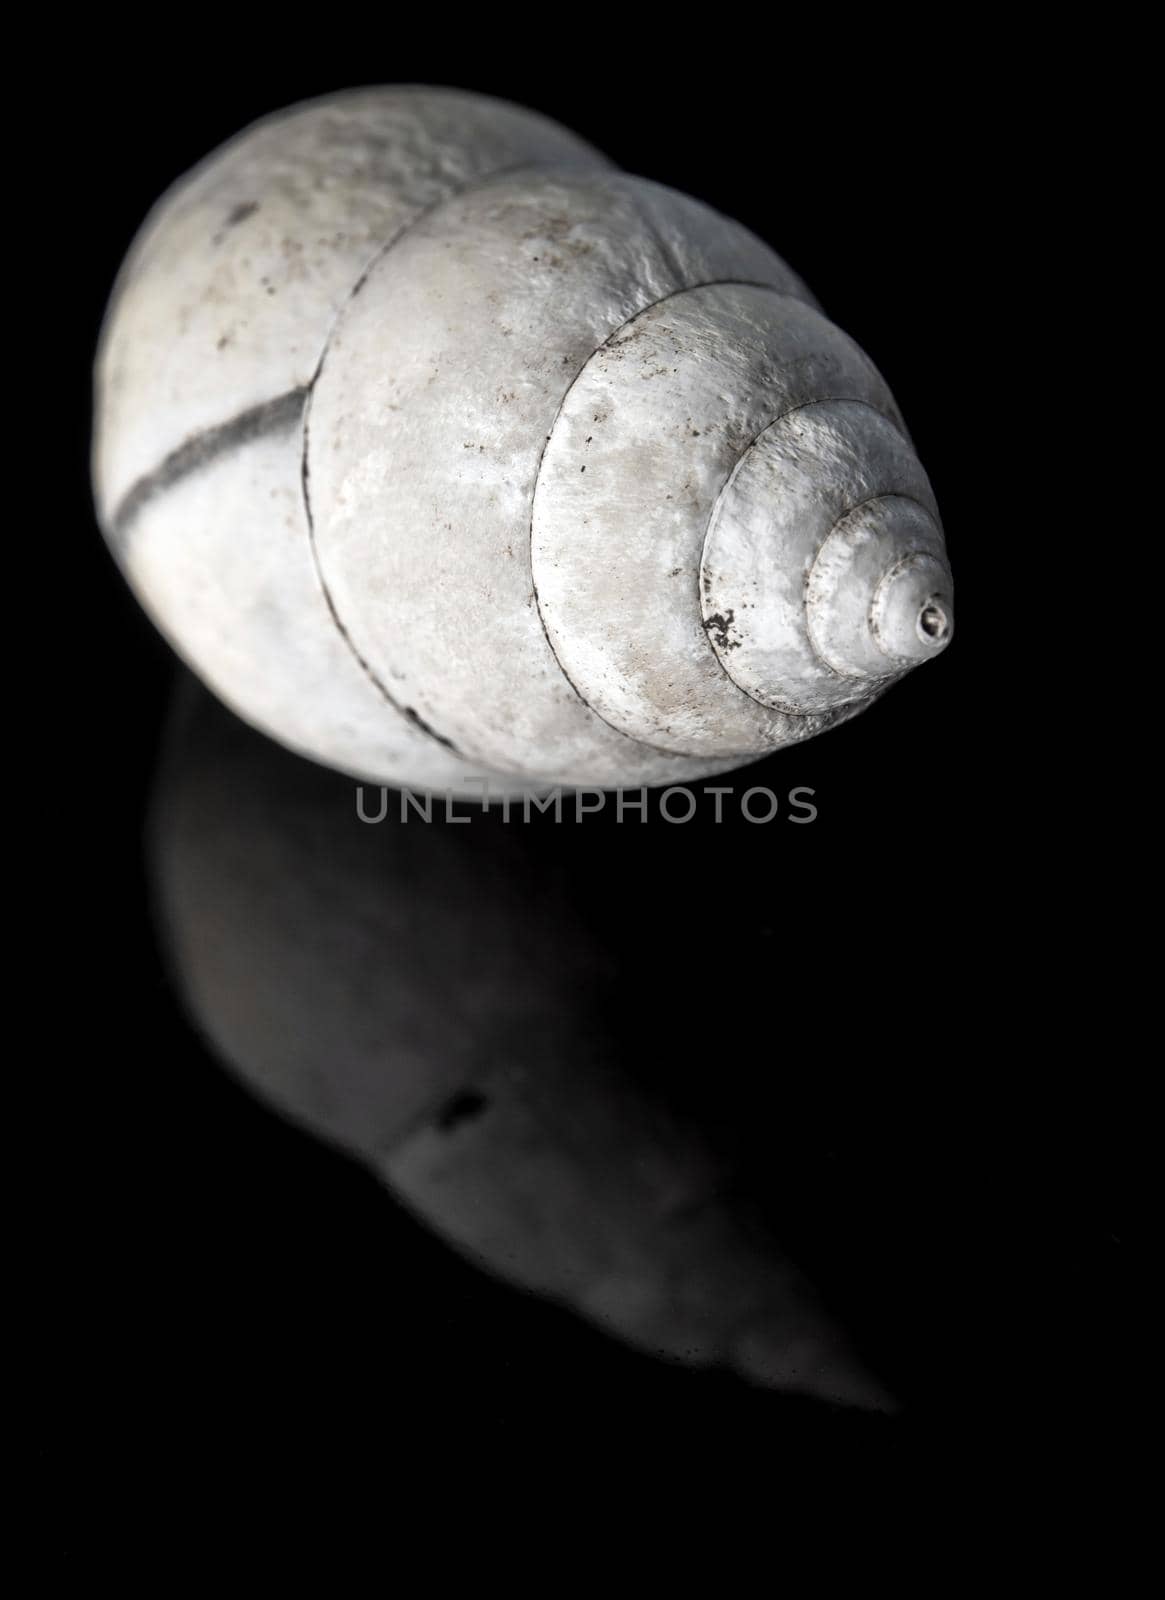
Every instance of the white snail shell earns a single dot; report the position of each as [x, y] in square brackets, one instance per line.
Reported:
[443, 451]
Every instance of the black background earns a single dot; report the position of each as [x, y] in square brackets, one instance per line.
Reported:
[215, 1294]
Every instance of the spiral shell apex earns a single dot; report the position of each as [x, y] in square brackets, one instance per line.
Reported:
[444, 453]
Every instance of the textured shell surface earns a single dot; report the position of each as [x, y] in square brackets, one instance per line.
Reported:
[446, 453]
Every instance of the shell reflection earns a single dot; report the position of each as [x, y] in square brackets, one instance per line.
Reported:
[444, 1002]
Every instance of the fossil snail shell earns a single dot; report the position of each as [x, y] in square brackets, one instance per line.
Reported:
[444, 451]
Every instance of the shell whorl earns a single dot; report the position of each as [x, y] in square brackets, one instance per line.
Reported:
[821, 556]
[695, 514]
[505, 465]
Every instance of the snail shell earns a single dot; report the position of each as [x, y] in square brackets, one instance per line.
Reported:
[443, 451]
